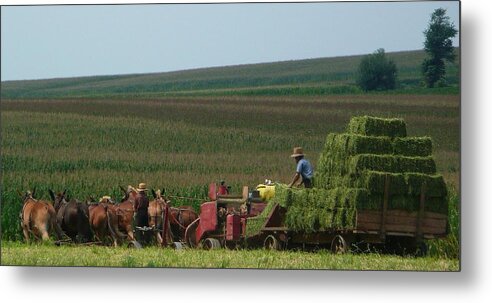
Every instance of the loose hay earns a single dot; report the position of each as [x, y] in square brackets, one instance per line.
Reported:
[254, 224]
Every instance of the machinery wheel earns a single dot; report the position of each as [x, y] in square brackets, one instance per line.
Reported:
[339, 245]
[271, 243]
[178, 245]
[211, 243]
[134, 244]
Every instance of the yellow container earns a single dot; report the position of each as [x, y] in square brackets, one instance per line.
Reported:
[266, 191]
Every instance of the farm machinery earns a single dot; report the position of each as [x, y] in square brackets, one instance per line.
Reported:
[374, 185]
[248, 221]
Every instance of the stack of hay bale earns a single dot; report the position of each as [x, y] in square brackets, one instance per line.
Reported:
[351, 174]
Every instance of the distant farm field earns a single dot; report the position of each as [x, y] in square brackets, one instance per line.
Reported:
[182, 144]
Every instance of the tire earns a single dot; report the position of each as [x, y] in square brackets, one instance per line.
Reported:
[339, 245]
[178, 245]
[271, 243]
[211, 243]
[134, 244]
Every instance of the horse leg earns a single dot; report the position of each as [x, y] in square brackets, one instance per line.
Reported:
[129, 232]
[45, 236]
[26, 233]
[159, 238]
[115, 241]
[56, 227]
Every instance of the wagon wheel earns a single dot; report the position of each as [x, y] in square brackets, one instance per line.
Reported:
[178, 245]
[134, 244]
[271, 243]
[211, 243]
[339, 245]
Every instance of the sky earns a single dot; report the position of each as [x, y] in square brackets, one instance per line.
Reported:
[39, 42]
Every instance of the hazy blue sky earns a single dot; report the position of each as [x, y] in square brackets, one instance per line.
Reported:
[64, 41]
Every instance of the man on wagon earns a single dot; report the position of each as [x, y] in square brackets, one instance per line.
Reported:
[140, 207]
[304, 169]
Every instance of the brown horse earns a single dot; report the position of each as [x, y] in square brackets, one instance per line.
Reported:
[38, 218]
[157, 207]
[179, 217]
[104, 222]
[73, 217]
[124, 212]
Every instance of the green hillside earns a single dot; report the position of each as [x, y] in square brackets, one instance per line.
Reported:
[300, 77]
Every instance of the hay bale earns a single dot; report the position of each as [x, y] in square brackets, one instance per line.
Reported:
[351, 176]
[412, 203]
[373, 126]
[349, 216]
[283, 195]
[403, 202]
[436, 187]
[412, 146]
[316, 209]
[325, 219]
[375, 181]
[392, 164]
[354, 144]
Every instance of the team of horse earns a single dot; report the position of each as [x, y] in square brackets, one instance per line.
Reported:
[104, 221]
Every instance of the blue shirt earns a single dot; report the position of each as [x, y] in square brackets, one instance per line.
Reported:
[305, 169]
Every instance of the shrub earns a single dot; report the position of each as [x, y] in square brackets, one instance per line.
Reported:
[376, 72]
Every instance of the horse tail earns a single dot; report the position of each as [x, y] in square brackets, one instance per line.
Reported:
[83, 223]
[115, 233]
[54, 223]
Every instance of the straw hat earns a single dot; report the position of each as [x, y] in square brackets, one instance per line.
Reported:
[107, 198]
[142, 187]
[297, 152]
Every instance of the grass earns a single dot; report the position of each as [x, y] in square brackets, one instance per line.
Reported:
[14, 253]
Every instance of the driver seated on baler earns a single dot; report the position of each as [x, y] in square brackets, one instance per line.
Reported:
[223, 189]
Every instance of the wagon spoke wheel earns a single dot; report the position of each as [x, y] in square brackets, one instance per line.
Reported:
[339, 245]
[271, 243]
[211, 243]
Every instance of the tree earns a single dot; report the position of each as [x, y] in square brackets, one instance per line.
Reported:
[438, 46]
[376, 72]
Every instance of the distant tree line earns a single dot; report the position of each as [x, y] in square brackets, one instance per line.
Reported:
[377, 72]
